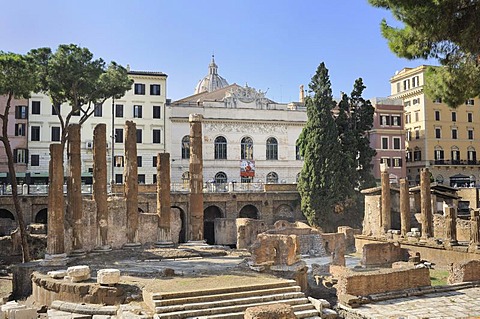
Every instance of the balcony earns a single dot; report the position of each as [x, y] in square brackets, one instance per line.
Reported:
[455, 162]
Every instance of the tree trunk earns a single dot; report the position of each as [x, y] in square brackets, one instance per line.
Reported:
[11, 171]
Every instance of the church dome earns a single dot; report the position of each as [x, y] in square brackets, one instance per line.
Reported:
[212, 81]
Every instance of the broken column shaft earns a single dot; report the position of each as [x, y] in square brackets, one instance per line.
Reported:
[163, 197]
[56, 205]
[74, 194]
[404, 207]
[425, 204]
[386, 219]
[131, 180]
[100, 182]
[196, 177]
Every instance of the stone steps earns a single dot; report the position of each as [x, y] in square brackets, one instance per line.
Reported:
[229, 302]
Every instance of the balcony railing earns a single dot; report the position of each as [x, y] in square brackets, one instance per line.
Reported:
[454, 162]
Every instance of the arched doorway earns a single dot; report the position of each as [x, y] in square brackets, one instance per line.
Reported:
[178, 225]
[209, 215]
[5, 213]
[7, 222]
[248, 211]
[42, 216]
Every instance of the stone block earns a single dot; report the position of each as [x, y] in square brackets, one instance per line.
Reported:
[274, 311]
[108, 276]
[77, 278]
[10, 307]
[78, 271]
[464, 271]
[57, 274]
[27, 313]
[329, 314]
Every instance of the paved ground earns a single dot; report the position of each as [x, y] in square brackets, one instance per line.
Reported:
[463, 303]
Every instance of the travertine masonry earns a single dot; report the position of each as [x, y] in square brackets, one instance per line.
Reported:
[100, 181]
[131, 180]
[196, 177]
[56, 204]
[74, 180]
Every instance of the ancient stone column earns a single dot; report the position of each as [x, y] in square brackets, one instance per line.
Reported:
[475, 228]
[386, 218]
[56, 204]
[404, 208]
[163, 198]
[131, 181]
[74, 194]
[196, 177]
[426, 204]
[451, 225]
[100, 183]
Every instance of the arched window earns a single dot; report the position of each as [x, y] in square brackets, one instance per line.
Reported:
[272, 178]
[471, 155]
[272, 149]
[220, 148]
[220, 178]
[246, 151]
[455, 155]
[186, 147]
[439, 179]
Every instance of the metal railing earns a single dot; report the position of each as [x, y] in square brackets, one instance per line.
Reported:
[454, 162]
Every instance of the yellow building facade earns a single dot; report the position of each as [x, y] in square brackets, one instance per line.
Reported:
[441, 138]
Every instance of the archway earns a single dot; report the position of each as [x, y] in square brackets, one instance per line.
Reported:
[5, 213]
[248, 211]
[209, 215]
[7, 222]
[284, 212]
[42, 216]
[178, 225]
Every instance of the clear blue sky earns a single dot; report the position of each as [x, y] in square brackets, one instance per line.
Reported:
[269, 44]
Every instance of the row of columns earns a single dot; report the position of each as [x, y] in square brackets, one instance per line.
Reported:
[426, 216]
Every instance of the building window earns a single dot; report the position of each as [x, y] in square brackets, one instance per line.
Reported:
[246, 179]
[455, 152]
[298, 157]
[470, 134]
[246, 148]
[139, 135]
[408, 118]
[76, 112]
[154, 161]
[406, 85]
[397, 162]
[454, 116]
[119, 161]
[119, 135]
[471, 155]
[220, 147]
[157, 136]
[384, 143]
[139, 161]
[384, 120]
[417, 133]
[438, 132]
[118, 178]
[137, 111]
[417, 116]
[454, 133]
[385, 160]
[417, 154]
[186, 177]
[396, 120]
[119, 110]
[437, 115]
[21, 112]
[35, 133]
[55, 109]
[396, 143]
[470, 102]
[409, 135]
[35, 107]
[139, 89]
[470, 117]
[34, 160]
[186, 147]
[157, 112]
[98, 111]
[272, 149]
[154, 178]
[409, 155]
[20, 129]
[20, 155]
[272, 178]
[141, 178]
[155, 89]
[55, 137]
[437, 100]
[220, 178]
[415, 81]
[438, 155]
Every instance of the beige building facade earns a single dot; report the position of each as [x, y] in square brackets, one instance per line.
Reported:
[441, 138]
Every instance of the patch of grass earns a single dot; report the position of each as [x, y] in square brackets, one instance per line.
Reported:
[438, 277]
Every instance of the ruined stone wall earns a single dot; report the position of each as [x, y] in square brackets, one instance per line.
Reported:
[383, 280]
[371, 221]
[464, 271]
[382, 254]
[439, 228]
[247, 231]
[471, 195]
[225, 231]
[310, 240]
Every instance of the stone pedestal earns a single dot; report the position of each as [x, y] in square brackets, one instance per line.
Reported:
[404, 208]
[78, 273]
[74, 184]
[100, 184]
[56, 203]
[386, 220]
[108, 276]
[426, 204]
[163, 200]
[196, 177]
[131, 180]
[54, 260]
